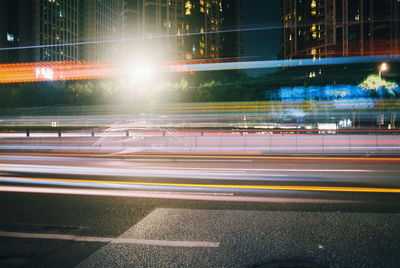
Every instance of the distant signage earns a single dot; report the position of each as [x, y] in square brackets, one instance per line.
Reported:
[354, 104]
[45, 73]
[10, 37]
[327, 126]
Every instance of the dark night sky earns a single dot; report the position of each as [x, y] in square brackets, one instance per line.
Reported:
[264, 44]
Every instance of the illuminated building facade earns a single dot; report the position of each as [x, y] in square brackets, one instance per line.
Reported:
[100, 23]
[337, 28]
[154, 26]
[181, 29]
[202, 22]
[48, 23]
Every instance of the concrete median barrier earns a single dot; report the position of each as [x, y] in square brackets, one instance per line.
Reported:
[217, 144]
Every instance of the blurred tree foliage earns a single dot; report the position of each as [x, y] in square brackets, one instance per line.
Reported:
[207, 86]
[31, 94]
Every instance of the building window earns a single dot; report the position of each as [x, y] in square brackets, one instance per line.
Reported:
[313, 28]
[314, 35]
[313, 4]
[188, 7]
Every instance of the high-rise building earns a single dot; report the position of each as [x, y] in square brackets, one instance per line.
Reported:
[335, 28]
[55, 29]
[108, 30]
[48, 27]
[153, 27]
[101, 27]
[203, 21]
[131, 19]
[177, 29]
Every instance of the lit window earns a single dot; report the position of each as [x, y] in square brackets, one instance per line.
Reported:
[313, 12]
[202, 29]
[202, 51]
[313, 4]
[188, 5]
[202, 9]
[300, 18]
[313, 28]
[187, 27]
[314, 35]
[202, 2]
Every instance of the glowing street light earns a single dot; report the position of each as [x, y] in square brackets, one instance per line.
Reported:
[383, 68]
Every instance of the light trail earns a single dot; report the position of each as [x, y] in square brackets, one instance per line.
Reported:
[250, 157]
[59, 71]
[165, 195]
[191, 186]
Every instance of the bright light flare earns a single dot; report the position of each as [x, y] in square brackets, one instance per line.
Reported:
[141, 72]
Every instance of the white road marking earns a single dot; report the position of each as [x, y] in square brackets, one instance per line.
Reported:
[149, 242]
[273, 169]
[143, 171]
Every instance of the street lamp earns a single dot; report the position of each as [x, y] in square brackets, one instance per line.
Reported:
[383, 68]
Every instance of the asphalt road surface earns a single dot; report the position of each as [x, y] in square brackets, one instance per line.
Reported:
[69, 209]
